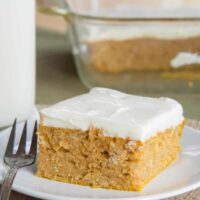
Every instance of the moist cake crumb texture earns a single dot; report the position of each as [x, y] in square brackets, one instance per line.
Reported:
[117, 56]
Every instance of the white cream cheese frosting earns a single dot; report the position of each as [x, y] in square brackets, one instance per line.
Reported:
[185, 58]
[117, 113]
[156, 30]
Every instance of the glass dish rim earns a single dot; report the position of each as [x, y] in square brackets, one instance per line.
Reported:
[68, 13]
[72, 14]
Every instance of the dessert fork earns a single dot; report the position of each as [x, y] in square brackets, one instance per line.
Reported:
[19, 159]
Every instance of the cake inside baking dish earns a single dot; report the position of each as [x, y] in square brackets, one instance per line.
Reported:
[148, 46]
[109, 139]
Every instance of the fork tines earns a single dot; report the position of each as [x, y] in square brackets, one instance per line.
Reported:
[22, 144]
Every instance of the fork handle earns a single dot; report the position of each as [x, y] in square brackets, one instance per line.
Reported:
[7, 183]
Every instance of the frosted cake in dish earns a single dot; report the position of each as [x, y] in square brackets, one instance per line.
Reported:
[151, 46]
[155, 36]
[109, 139]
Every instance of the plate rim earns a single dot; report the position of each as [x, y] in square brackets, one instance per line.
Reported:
[160, 196]
[46, 196]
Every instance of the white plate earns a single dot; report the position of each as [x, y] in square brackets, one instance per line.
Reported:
[182, 176]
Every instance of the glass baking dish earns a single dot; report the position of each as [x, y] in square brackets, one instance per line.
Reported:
[132, 45]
